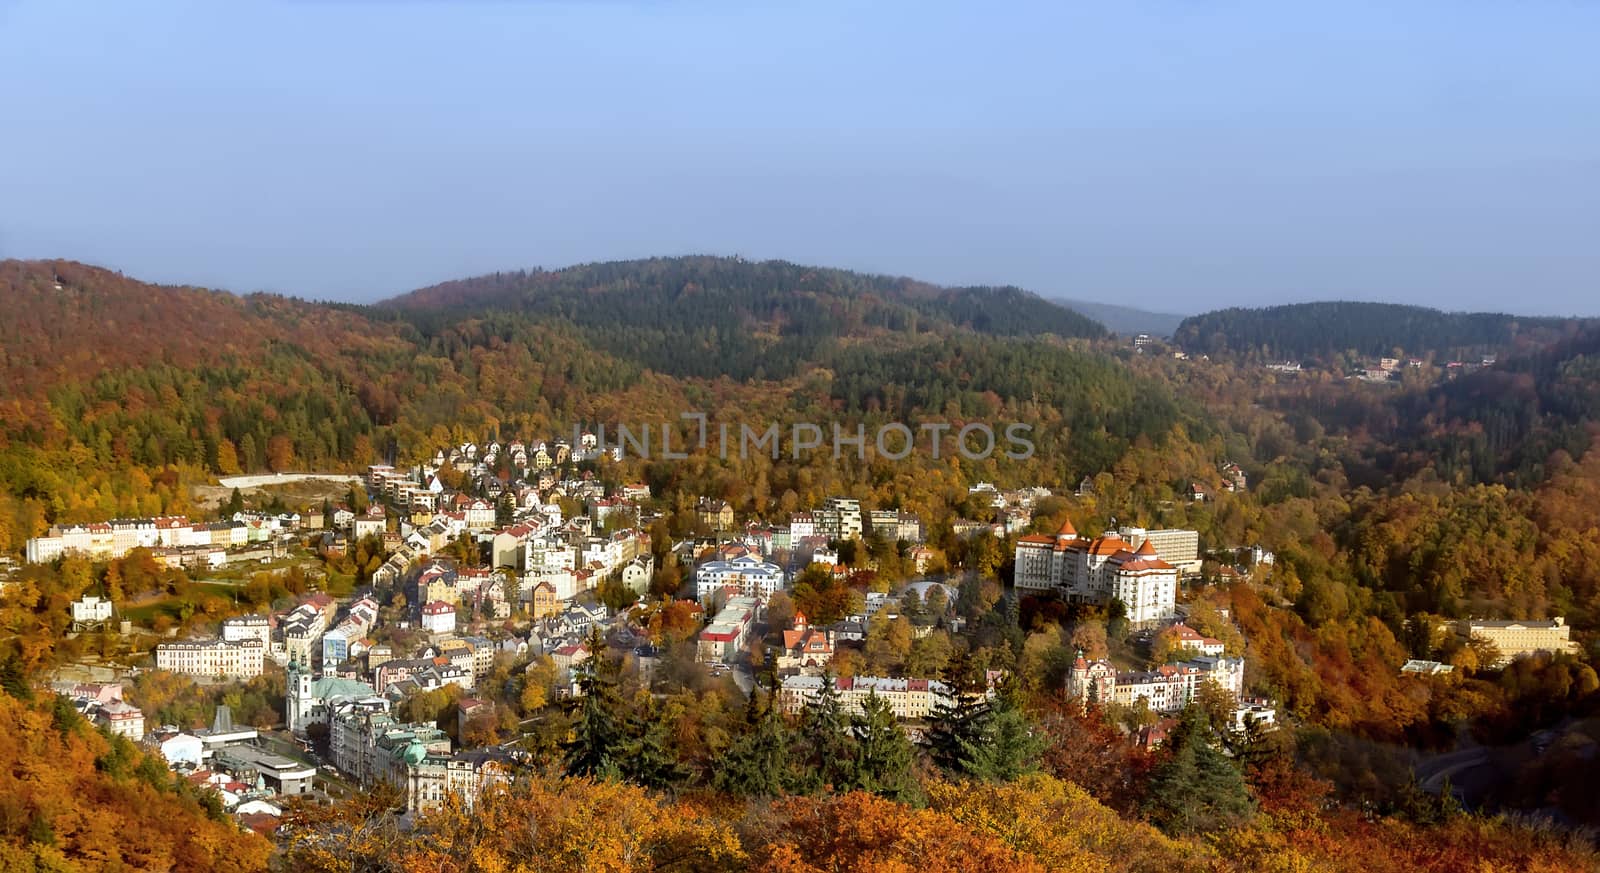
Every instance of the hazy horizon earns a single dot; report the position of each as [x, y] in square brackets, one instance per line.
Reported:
[1159, 156]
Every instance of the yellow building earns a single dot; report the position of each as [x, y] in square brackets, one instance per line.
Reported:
[1513, 639]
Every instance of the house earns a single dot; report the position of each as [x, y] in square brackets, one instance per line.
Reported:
[715, 514]
[438, 617]
[371, 523]
[1188, 638]
[908, 699]
[121, 720]
[805, 648]
[636, 574]
[1198, 493]
[569, 656]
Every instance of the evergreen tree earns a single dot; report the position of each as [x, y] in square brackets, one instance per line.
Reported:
[505, 510]
[598, 731]
[758, 763]
[235, 504]
[645, 759]
[883, 754]
[829, 754]
[955, 726]
[1196, 788]
[1002, 747]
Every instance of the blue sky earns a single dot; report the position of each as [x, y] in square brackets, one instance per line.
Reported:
[1169, 155]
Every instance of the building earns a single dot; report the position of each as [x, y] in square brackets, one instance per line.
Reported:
[805, 648]
[1513, 639]
[893, 525]
[1189, 638]
[121, 720]
[1180, 548]
[1166, 689]
[715, 514]
[280, 775]
[748, 575]
[728, 632]
[439, 617]
[212, 658]
[309, 701]
[909, 699]
[247, 627]
[90, 610]
[838, 519]
[1097, 571]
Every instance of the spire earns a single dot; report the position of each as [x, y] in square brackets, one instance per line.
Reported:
[1146, 550]
[1067, 531]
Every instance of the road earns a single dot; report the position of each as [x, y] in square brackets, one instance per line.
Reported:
[283, 479]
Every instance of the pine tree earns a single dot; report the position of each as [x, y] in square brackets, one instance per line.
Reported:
[235, 504]
[954, 728]
[829, 755]
[597, 734]
[758, 763]
[1196, 788]
[1002, 748]
[883, 754]
[645, 759]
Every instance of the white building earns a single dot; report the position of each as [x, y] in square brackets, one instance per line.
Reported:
[212, 658]
[729, 630]
[1166, 689]
[122, 720]
[247, 627]
[1180, 548]
[1099, 570]
[91, 609]
[439, 617]
[910, 699]
[746, 574]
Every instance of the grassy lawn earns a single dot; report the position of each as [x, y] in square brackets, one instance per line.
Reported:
[145, 613]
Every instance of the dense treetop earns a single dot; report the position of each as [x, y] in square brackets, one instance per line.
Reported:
[1324, 331]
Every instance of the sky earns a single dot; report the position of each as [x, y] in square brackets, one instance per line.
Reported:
[1174, 156]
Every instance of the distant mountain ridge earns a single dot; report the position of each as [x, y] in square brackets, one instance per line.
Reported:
[1325, 330]
[703, 316]
[1125, 320]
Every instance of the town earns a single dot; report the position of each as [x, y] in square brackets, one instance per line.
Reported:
[482, 598]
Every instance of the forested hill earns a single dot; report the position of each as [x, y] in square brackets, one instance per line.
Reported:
[710, 316]
[1325, 331]
[116, 394]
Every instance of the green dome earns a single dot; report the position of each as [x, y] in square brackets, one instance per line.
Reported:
[415, 753]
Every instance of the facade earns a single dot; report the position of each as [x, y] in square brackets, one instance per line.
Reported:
[1180, 548]
[1099, 570]
[1166, 689]
[122, 720]
[805, 648]
[1514, 639]
[838, 519]
[728, 632]
[90, 610]
[893, 525]
[747, 574]
[247, 627]
[310, 701]
[439, 617]
[910, 699]
[212, 658]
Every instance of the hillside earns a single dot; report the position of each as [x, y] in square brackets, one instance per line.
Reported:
[705, 317]
[73, 799]
[1126, 320]
[1326, 331]
[120, 393]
